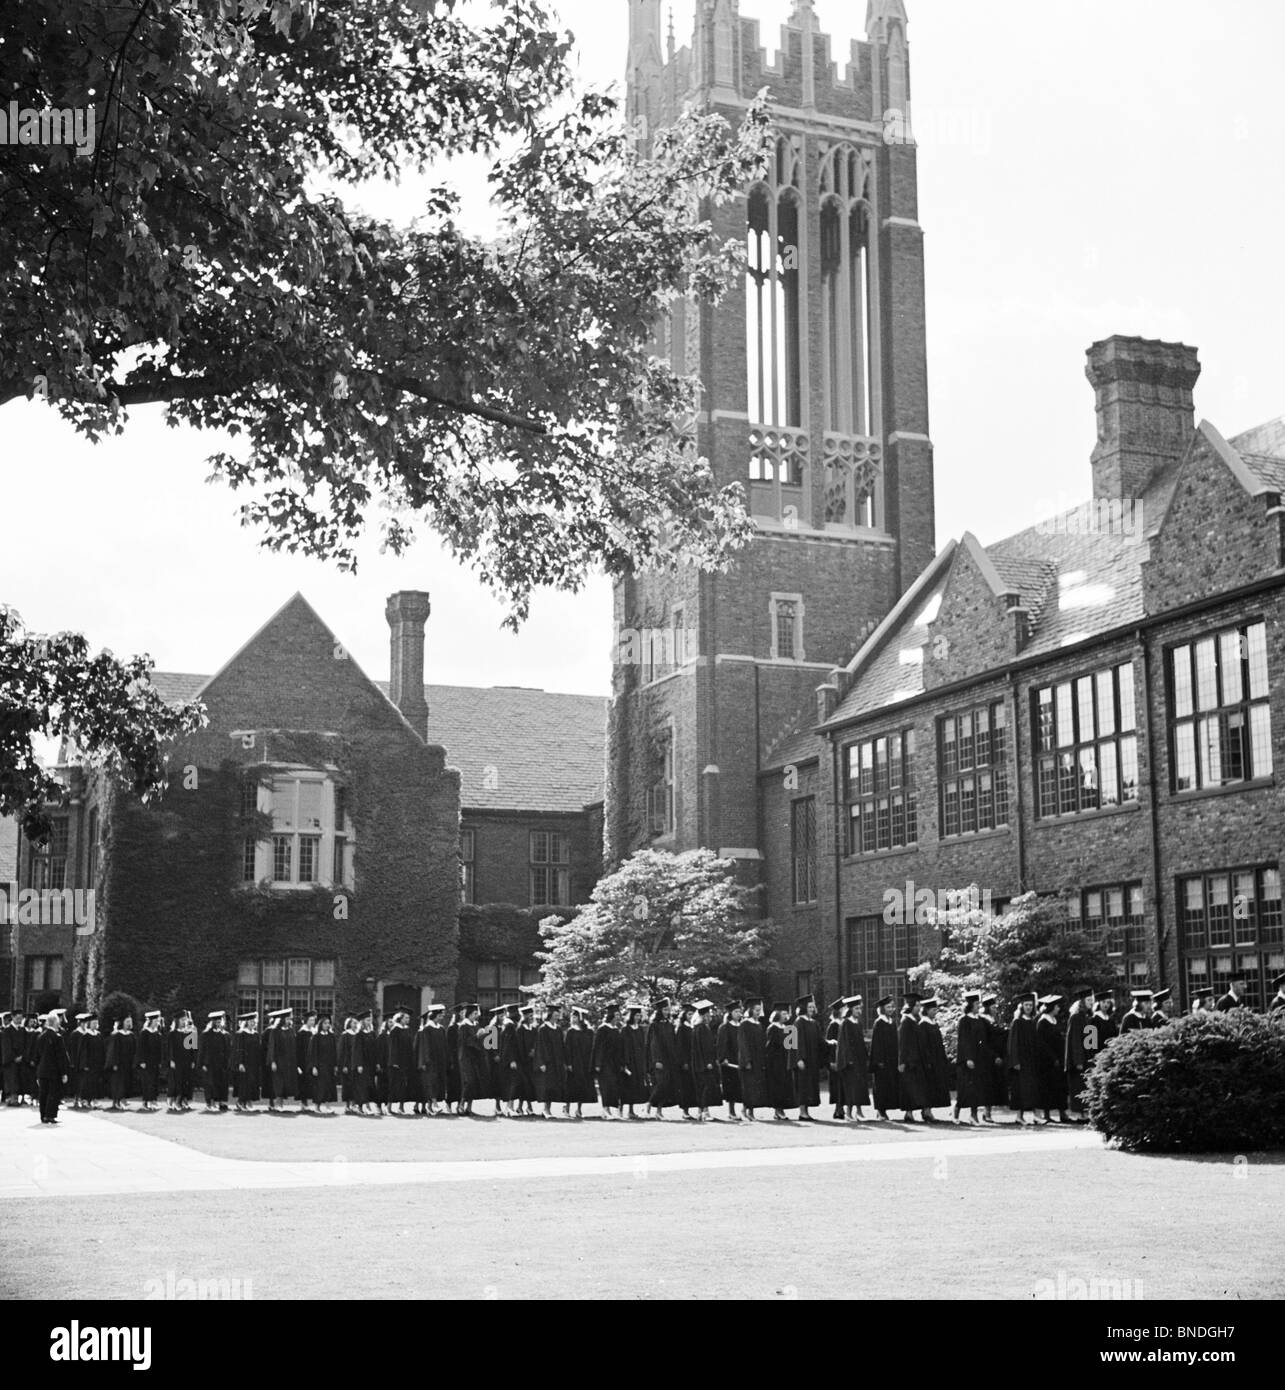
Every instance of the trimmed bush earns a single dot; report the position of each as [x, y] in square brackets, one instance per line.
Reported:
[1207, 1083]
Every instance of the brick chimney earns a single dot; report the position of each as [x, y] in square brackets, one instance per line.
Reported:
[407, 611]
[1145, 414]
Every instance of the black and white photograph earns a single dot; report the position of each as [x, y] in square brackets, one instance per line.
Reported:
[642, 659]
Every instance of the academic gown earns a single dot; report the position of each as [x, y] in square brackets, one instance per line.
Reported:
[633, 1061]
[11, 1060]
[606, 1060]
[705, 1067]
[751, 1060]
[780, 1086]
[1075, 1059]
[148, 1055]
[526, 1063]
[1051, 1070]
[302, 1041]
[509, 1064]
[430, 1059]
[686, 1080]
[883, 1063]
[90, 1055]
[280, 1064]
[995, 1086]
[579, 1049]
[452, 1062]
[937, 1069]
[30, 1045]
[473, 1063]
[970, 1048]
[913, 1082]
[662, 1062]
[399, 1054]
[833, 1074]
[550, 1064]
[853, 1064]
[1098, 1031]
[361, 1069]
[1023, 1064]
[180, 1064]
[247, 1067]
[120, 1065]
[217, 1055]
[806, 1080]
[490, 1036]
[321, 1059]
[728, 1065]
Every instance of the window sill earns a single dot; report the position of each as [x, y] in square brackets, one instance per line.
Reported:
[966, 837]
[1257, 784]
[1074, 817]
[864, 856]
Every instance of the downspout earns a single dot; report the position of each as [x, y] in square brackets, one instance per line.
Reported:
[1140, 637]
[1020, 783]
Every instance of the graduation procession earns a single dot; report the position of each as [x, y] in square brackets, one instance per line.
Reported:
[635, 1061]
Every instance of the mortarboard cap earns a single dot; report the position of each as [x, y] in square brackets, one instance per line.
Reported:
[911, 999]
[1047, 999]
[803, 1001]
[750, 1003]
[499, 1009]
[884, 1002]
[735, 1004]
[1208, 991]
[972, 994]
[553, 1004]
[1083, 992]
[1139, 995]
[851, 1000]
[241, 1018]
[151, 1013]
[1027, 998]
[366, 1016]
[84, 1018]
[1161, 995]
[989, 999]
[703, 1005]
[634, 1006]
[780, 1007]
[663, 1002]
[931, 1002]
[435, 1009]
[218, 1013]
[526, 1008]
[282, 1013]
[1279, 982]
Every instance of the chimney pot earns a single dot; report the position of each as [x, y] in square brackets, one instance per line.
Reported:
[407, 611]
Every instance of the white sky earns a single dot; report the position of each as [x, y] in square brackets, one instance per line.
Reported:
[1087, 167]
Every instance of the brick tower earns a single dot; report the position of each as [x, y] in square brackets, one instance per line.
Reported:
[814, 398]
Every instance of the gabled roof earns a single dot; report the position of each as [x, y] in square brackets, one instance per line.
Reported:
[1075, 581]
[519, 749]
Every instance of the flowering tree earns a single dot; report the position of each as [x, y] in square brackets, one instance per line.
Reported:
[661, 924]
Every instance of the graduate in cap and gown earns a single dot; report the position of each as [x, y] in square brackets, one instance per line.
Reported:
[705, 1067]
[362, 1062]
[527, 1031]
[805, 1073]
[182, 1059]
[972, 1059]
[662, 1060]
[633, 1059]
[686, 1081]
[149, 1055]
[1233, 999]
[302, 1041]
[606, 1060]
[727, 1050]
[247, 1062]
[1078, 1018]
[11, 1030]
[453, 1058]
[1052, 1067]
[322, 1060]
[1158, 1000]
[1024, 1061]
[885, 1078]
[996, 1085]
[120, 1062]
[1101, 1027]
[838, 1012]
[430, 1059]
[853, 1060]
[776, 1053]
[550, 1060]
[473, 1064]
[85, 1061]
[399, 1060]
[579, 1049]
[937, 1069]
[751, 1054]
[912, 1064]
[1140, 1014]
[52, 1067]
[278, 1054]
[216, 1059]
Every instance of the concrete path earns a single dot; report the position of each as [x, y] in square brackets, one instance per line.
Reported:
[88, 1156]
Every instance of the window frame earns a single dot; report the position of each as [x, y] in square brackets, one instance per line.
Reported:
[1260, 954]
[970, 767]
[803, 859]
[330, 846]
[863, 807]
[555, 871]
[1067, 767]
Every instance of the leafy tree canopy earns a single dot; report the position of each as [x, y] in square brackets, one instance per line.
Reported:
[502, 389]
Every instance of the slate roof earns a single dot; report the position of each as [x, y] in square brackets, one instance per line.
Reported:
[1076, 582]
[548, 751]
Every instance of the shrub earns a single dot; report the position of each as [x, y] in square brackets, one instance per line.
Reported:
[1210, 1082]
[116, 1007]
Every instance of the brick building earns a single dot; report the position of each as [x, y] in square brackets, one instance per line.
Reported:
[1084, 708]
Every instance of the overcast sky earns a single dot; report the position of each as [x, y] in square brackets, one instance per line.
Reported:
[1087, 167]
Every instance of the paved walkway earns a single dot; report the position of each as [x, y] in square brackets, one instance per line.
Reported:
[86, 1156]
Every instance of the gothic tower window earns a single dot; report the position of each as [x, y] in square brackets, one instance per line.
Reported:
[773, 334]
[848, 335]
